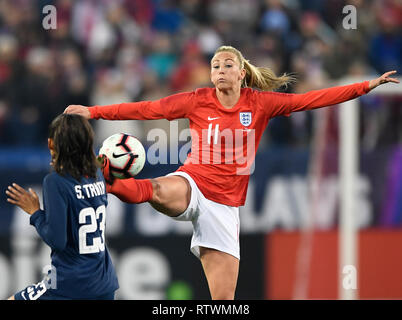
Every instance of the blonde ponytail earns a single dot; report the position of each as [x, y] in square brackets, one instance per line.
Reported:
[264, 78]
[258, 77]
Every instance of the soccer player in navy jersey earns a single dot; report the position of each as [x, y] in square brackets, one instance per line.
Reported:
[72, 222]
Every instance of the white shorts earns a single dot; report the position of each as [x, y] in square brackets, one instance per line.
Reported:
[215, 225]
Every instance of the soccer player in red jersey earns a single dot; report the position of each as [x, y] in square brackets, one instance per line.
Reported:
[226, 124]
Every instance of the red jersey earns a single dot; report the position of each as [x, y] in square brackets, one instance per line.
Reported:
[224, 141]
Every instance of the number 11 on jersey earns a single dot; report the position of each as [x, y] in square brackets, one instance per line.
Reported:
[216, 133]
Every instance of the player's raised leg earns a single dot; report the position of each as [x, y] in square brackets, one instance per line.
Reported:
[169, 195]
[221, 270]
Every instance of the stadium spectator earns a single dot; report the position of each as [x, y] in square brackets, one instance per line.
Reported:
[141, 40]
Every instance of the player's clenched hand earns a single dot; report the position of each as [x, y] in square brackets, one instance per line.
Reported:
[385, 78]
[78, 109]
[26, 200]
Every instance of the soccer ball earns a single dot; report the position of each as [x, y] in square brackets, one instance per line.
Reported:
[126, 155]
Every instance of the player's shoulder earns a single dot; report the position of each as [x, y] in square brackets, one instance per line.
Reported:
[252, 96]
[208, 92]
[52, 177]
[270, 94]
[253, 93]
[204, 90]
[55, 178]
[204, 93]
[55, 182]
[256, 92]
[261, 98]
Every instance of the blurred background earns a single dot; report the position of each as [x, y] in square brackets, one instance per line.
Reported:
[104, 52]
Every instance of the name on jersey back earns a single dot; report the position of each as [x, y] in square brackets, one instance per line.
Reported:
[90, 190]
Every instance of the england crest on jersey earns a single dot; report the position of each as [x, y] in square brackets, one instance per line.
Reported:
[245, 118]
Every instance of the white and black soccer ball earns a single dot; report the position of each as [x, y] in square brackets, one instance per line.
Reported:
[126, 155]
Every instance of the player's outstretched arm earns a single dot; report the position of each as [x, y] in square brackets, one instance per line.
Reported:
[175, 106]
[78, 109]
[385, 78]
[284, 104]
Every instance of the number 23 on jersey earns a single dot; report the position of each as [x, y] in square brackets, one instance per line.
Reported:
[95, 216]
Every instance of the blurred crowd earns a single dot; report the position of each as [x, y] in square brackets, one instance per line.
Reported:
[112, 51]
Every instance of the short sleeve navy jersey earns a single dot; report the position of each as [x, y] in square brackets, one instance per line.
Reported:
[73, 225]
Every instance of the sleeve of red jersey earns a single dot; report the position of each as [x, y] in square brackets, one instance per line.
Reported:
[276, 104]
[172, 107]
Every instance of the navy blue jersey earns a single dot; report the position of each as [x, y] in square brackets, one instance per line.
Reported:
[73, 225]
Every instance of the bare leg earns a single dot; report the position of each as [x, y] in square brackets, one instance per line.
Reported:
[171, 195]
[11, 298]
[221, 270]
